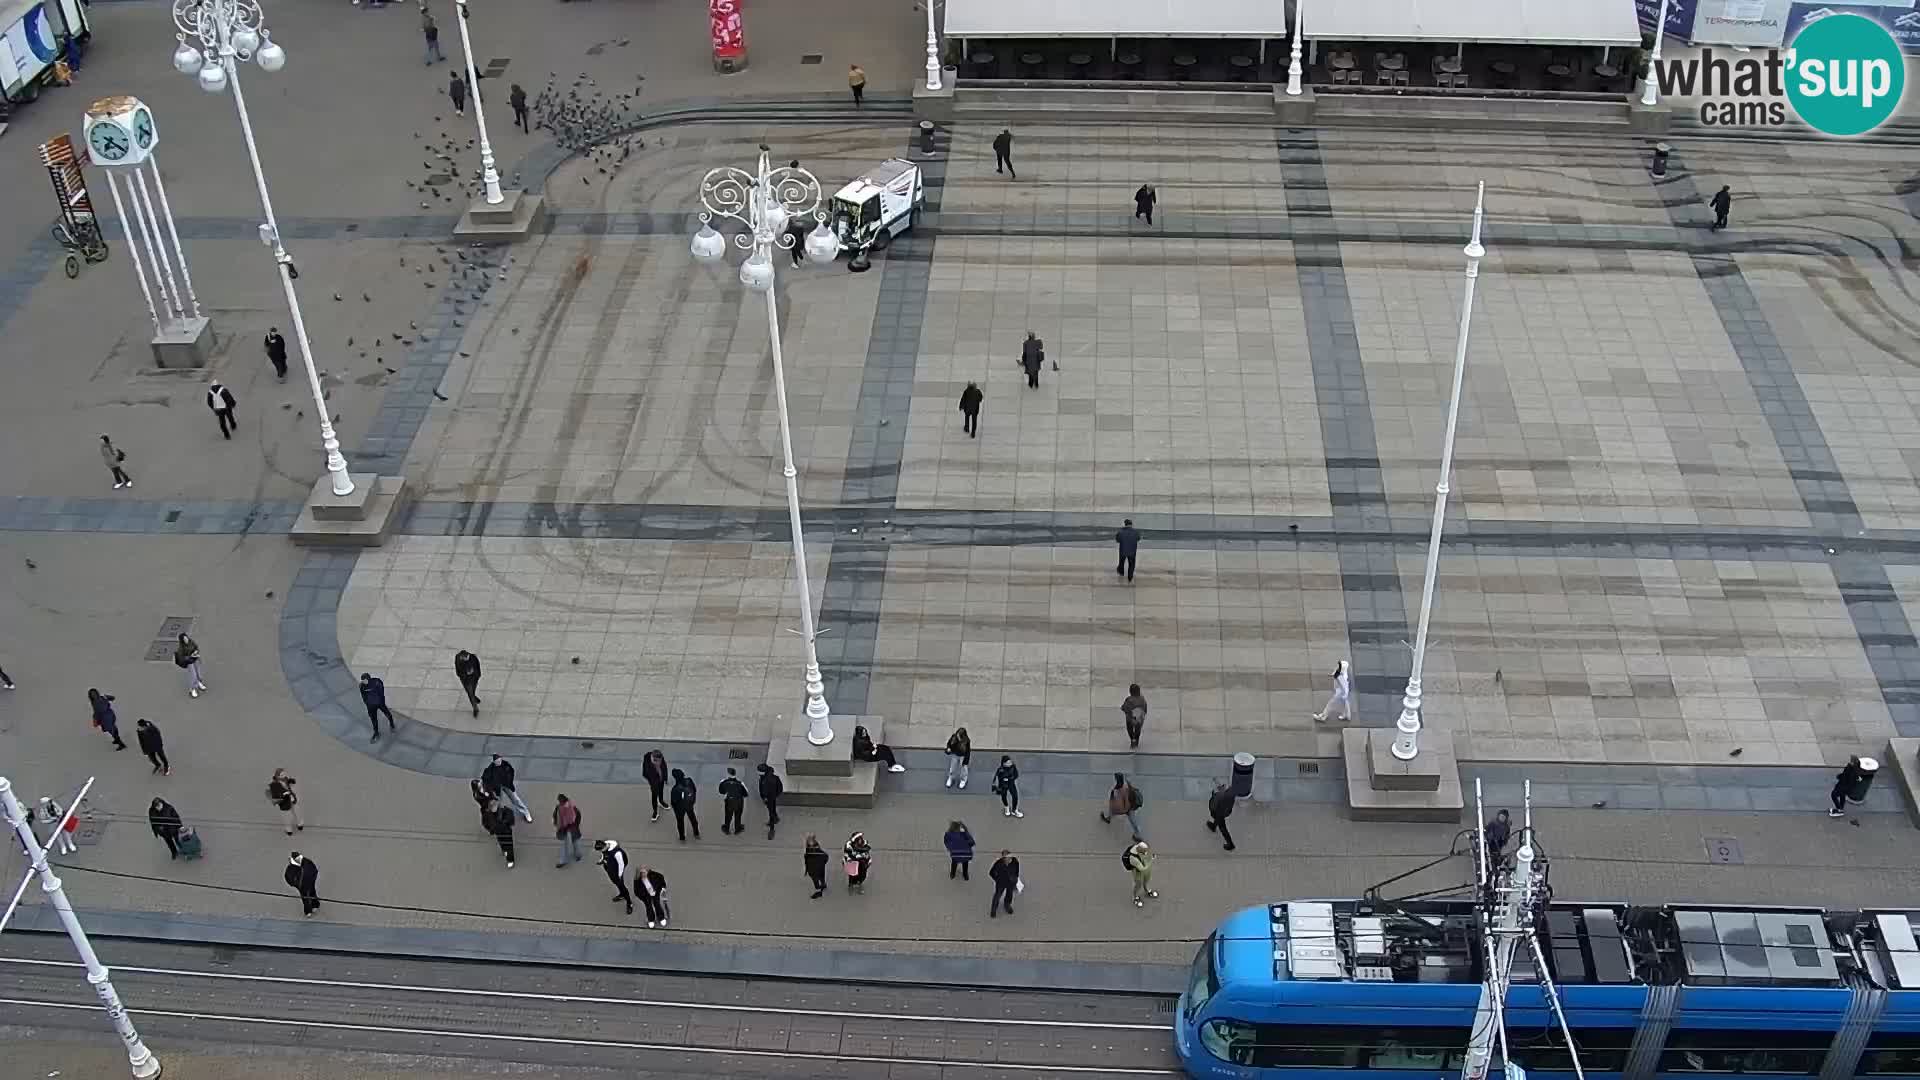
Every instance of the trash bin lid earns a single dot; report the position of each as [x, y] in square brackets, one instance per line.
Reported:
[1243, 760]
[1868, 765]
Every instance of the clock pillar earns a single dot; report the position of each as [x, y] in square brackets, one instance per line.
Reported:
[121, 137]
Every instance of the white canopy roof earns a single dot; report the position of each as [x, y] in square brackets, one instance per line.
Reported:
[1128, 18]
[1545, 22]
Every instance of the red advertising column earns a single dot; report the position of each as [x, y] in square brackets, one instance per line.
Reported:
[729, 36]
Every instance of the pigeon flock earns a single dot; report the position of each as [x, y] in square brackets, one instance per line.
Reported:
[583, 117]
[467, 273]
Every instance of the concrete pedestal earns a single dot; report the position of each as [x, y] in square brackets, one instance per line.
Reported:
[1648, 119]
[1381, 787]
[730, 65]
[935, 105]
[515, 217]
[361, 518]
[183, 344]
[825, 775]
[1902, 759]
[1293, 112]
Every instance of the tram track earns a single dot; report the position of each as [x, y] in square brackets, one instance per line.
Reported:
[557, 1015]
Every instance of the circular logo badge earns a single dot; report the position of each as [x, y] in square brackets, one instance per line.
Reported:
[1846, 74]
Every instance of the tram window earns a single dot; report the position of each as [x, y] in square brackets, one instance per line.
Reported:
[1202, 983]
[1778, 1053]
[1891, 1054]
[1288, 1046]
[1601, 1050]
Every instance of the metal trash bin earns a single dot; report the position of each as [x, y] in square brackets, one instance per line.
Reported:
[1660, 153]
[1857, 778]
[926, 136]
[1243, 776]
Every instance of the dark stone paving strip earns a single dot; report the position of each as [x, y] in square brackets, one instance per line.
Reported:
[20, 279]
[1369, 578]
[1878, 617]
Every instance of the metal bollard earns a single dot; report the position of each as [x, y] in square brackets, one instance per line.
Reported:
[1243, 776]
[1660, 154]
[926, 136]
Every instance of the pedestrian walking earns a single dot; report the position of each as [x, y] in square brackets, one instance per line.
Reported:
[1844, 783]
[650, 886]
[959, 850]
[1342, 696]
[152, 744]
[1124, 801]
[1005, 873]
[430, 30]
[613, 860]
[865, 750]
[373, 693]
[681, 800]
[517, 98]
[959, 756]
[1138, 859]
[484, 800]
[500, 822]
[1219, 809]
[1143, 201]
[303, 876]
[771, 789]
[457, 92]
[499, 779]
[466, 668]
[220, 400]
[566, 829]
[186, 657]
[115, 458]
[797, 238]
[1496, 832]
[1721, 202]
[1033, 353]
[733, 800]
[6, 680]
[654, 768]
[103, 717]
[1003, 153]
[1133, 712]
[1128, 540]
[277, 352]
[281, 793]
[165, 822]
[61, 827]
[1006, 784]
[970, 400]
[814, 858]
[857, 82]
[857, 857]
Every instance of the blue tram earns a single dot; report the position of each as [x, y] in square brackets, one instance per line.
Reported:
[1314, 988]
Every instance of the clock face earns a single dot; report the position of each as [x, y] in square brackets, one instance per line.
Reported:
[143, 129]
[110, 142]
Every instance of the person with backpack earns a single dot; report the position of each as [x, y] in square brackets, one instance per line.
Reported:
[1133, 711]
[566, 828]
[959, 756]
[281, 794]
[1219, 809]
[1138, 859]
[858, 859]
[770, 791]
[959, 850]
[1005, 873]
[1006, 784]
[653, 768]
[814, 859]
[681, 800]
[1124, 801]
[186, 657]
[733, 800]
[104, 718]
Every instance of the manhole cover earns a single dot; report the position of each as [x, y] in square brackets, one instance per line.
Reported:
[812, 58]
[159, 650]
[173, 626]
[1723, 849]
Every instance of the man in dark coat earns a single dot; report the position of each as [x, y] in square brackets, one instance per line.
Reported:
[373, 692]
[1129, 540]
[681, 800]
[303, 876]
[970, 400]
[498, 776]
[517, 98]
[1005, 873]
[1219, 809]
[1721, 202]
[500, 824]
[1003, 152]
[733, 796]
[466, 668]
[1143, 201]
[797, 227]
[220, 400]
[277, 352]
[165, 822]
[1497, 831]
[1033, 353]
[770, 791]
[613, 859]
[457, 92]
[152, 745]
[651, 886]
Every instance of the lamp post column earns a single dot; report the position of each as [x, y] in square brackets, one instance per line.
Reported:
[489, 175]
[1650, 94]
[1406, 744]
[1294, 70]
[933, 50]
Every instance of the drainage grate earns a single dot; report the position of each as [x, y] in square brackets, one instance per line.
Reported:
[1309, 768]
[495, 66]
[171, 627]
[159, 650]
[173, 516]
[734, 753]
[1724, 850]
[811, 58]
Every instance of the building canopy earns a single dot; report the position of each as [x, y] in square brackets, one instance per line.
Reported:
[1119, 18]
[1547, 22]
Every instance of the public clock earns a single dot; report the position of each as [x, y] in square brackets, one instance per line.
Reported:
[110, 142]
[121, 131]
[143, 133]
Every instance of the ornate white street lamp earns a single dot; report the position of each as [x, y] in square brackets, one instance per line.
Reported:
[488, 174]
[1293, 64]
[933, 49]
[765, 201]
[1407, 743]
[1650, 94]
[230, 32]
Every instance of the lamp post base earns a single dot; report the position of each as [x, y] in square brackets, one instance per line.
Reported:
[515, 217]
[824, 775]
[359, 519]
[1381, 787]
[185, 343]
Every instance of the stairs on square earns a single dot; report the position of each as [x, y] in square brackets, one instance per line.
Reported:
[1460, 112]
[1115, 103]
